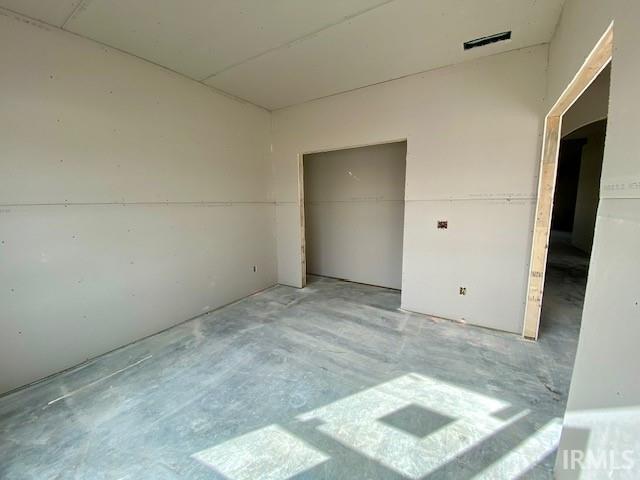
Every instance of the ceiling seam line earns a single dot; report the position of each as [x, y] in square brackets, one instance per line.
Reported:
[299, 39]
[73, 12]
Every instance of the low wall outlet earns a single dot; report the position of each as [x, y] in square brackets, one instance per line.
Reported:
[463, 290]
[442, 224]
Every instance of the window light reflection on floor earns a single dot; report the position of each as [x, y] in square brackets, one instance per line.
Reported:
[412, 425]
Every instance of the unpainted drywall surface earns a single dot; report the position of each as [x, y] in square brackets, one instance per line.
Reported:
[603, 414]
[581, 25]
[354, 213]
[588, 195]
[473, 142]
[591, 106]
[131, 199]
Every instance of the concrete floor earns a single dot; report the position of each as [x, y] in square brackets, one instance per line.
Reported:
[331, 381]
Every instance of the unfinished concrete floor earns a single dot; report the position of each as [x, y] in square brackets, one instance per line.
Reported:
[331, 381]
[565, 285]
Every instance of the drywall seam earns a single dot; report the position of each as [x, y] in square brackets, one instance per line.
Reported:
[219, 203]
[233, 203]
[461, 198]
[72, 14]
[382, 200]
[474, 198]
[298, 40]
[354, 200]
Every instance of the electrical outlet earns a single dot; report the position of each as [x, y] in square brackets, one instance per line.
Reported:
[443, 224]
[463, 290]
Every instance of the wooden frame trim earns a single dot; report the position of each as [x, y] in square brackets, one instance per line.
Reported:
[596, 61]
[303, 238]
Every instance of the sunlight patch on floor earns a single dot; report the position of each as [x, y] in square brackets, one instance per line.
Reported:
[413, 425]
[270, 453]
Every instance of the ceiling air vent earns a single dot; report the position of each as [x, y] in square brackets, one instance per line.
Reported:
[479, 42]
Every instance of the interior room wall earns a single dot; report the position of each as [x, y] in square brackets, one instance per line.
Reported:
[131, 198]
[603, 413]
[566, 190]
[473, 149]
[581, 25]
[354, 213]
[591, 106]
[588, 193]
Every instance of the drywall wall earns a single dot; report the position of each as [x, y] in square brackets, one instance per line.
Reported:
[581, 25]
[591, 106]
[588, 195]
[131, 199]
[603, 410]
[354, 213]
[473, 145]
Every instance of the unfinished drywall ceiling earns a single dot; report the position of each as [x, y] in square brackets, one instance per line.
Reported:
[283, 52]
[131, 199]
[394, 40]
[452, 118]
[201, 38]
[354, 213]
[54, 13]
